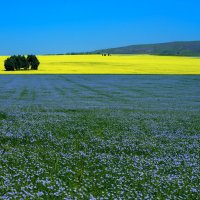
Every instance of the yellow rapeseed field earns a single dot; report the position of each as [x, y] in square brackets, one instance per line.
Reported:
[115, 64]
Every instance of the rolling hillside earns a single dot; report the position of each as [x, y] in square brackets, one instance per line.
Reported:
[171, 48]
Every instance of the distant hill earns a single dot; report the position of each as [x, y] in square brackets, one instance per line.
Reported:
[171, 48]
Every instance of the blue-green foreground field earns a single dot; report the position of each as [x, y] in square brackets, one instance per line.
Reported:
[99, 137]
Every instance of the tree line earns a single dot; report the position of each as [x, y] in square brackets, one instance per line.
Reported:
[21, 62]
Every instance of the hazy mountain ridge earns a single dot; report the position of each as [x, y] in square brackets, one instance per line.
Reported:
[171, 48]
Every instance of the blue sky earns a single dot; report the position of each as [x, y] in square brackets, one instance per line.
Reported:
[82, 25]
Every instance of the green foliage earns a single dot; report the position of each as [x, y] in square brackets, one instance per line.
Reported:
[33, 62]
[2, 116]
[10, 64]
[24, 63]
[21, 62]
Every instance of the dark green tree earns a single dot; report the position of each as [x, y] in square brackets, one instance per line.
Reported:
[33, 62]
[21, 62]
[24, 63]
[18, 62]
[10, 64]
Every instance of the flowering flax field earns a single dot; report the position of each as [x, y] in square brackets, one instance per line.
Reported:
[99, 137]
